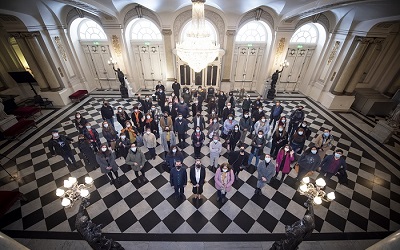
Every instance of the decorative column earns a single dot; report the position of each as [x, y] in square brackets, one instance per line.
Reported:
[33, 43]
[230, 34]
[372, 53]
[33, 65]
[168, 54]
[362, 44]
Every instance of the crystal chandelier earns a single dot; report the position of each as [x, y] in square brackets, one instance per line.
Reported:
[197, 48]
[315, 192]
[74, 191]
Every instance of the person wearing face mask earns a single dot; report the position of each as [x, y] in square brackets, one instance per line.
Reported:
[180, 128]
[198, 121]
[93, 136]
[246, 104]
[257, 115]
[150, 123]
[161, 97]
[276, 112]
[296, 118]
[257, 103]
[186, 96]
[324, 142]
[224, 178]
[176, 87]
[221, 102]
[239, 160]
[150, 142]
[196, 107]
[211, 116]
[233, 138]
[308, 162]
[80, 122]
[261, 125]
[136, 159]
[212, 105]
[197, 178]
[166, 121]
[283, 160]
[245, 125]
[167, 139]
[298, 140]
[178, 179]
[231, 100]
[307, 130]
[279, 139]
[228, 111]
[146, 103]
[123, 145]
[109, 134]
[59, 145]
[214, 128]
[173, 155]
[183, 108]
[215, 152]
[331, 164]
[130, 132]
[229, 124]
[257, 147]
[171, 110]
[106, 159]
[282, 122]
[138, 119]
[107, 113]
[122, 116]
[160, 86]
[86, 149]
[198, 138]
[265, 172]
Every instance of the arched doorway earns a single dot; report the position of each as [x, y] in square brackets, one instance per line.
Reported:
[300, 52]
[250, 47]
[208, 77]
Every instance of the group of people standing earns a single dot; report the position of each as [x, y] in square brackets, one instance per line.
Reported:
[167, 118]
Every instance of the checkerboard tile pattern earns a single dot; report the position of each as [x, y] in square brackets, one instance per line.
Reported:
[370, 202]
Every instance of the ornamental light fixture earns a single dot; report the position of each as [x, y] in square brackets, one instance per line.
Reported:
[197, 48]
[315, 191]
[74, 191]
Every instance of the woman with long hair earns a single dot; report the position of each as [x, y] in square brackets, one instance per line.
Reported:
[224, 179]
[106, 159]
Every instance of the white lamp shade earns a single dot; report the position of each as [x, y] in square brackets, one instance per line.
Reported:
[320, 182]
[317, 200]
[72, 180]
[306, 180]
[303, 188]
[67, 184]
[88, 180]
[331, 196]
[84, 192]
[60, 192]
[65, 202]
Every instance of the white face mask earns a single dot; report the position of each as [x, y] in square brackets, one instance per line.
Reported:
[104, 149]
[215, 121]
[263, 120]
[260, 110]
[260, 136]
[281, 129]
[337, 155]
[246, 116]
[267, 159]
[119, 110]
[88, 127]
[148, 117]
[55, 135]
[123, 137]
[314, 151]
[230, 118]
[170, 106]
[300, 133]
[197, 130]
[236, 129]
[133, 149]
[229, 107]
[174, 150]
[148, 132]
[212, 112]
[215, 141]
[106, 125]
[286, 149]
[283, 120]
[78, 116]
[180, 117]
[224, 170]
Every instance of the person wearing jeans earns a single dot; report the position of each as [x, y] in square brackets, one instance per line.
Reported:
[150, 142]
[257, 146]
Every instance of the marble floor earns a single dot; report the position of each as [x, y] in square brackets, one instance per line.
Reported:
[368, 207]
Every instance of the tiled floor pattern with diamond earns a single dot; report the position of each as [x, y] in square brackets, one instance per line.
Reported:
[369, 203]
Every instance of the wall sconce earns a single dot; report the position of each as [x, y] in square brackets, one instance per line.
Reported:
[153, 49]
[111, 62]
[94, 48]
[285, 64]
[103, 48]
[144, 49]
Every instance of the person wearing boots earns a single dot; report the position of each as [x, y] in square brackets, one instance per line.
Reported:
[80, 122]
[123, 145]
[197, 178]
[178, 179]
[265, 171]
[106, 159]
[59, 145]
[279, 139]
[136, 160]
[283, 160]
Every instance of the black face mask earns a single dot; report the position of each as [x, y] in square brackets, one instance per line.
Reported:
[178, 167]
[241, 150]
[198, 165]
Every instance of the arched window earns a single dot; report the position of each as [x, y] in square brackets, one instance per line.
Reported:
[144, 29]
[90, 30]
[253, 31]
[208, 27]
[307, 33]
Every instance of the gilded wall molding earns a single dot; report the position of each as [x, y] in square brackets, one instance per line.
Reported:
[116, 45]
[60, 47]
[333, 52]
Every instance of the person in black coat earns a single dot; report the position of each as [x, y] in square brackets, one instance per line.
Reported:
[212, 105]
[233, 137]
[239, 160]
[107, 113]
[256, 104]
[276, 112]
[173, 156]
[197, 178]
[196, 107]
[178, 179]
[93, 136]
[231, 99]
[59, 145]
[171, 111]
[198, 121]
[331, 164]
[257, 114]
[138, 119]
[183, 108]
[160, 86]
[296, 118]
[308, 162]
[161, 98]
[146, 103]
[227, 111]
[123, 145]
[198, 138]
[80, 122]
[279, 139]
[246, 104]
[106, 159]
[122, 116]
[176, 87]
[87, 150]
[221, 102]
[180, 128]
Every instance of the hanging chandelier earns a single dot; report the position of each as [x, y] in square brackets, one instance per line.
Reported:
[197, 48]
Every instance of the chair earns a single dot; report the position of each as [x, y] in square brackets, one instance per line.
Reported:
[42, 102]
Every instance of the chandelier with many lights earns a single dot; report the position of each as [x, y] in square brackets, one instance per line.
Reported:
[197, 48]
[74, 191]
[315, 192]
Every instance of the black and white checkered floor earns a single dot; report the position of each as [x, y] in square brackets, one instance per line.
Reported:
[369, 203]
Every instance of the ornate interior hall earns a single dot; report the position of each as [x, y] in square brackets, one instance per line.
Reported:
[337, 58]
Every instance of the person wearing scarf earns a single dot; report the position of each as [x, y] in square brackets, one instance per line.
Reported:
[106, 160]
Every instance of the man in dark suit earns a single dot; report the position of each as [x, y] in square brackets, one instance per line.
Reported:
[197, 178]
[178, 179]
[176, 87]
[198, 121]
[276, 112]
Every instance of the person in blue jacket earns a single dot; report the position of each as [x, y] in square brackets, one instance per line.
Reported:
[332, 163]
[180, 128]
[178, 179]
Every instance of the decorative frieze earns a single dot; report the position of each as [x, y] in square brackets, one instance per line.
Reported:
[60, 47]
[333, 52]
[116, 45]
